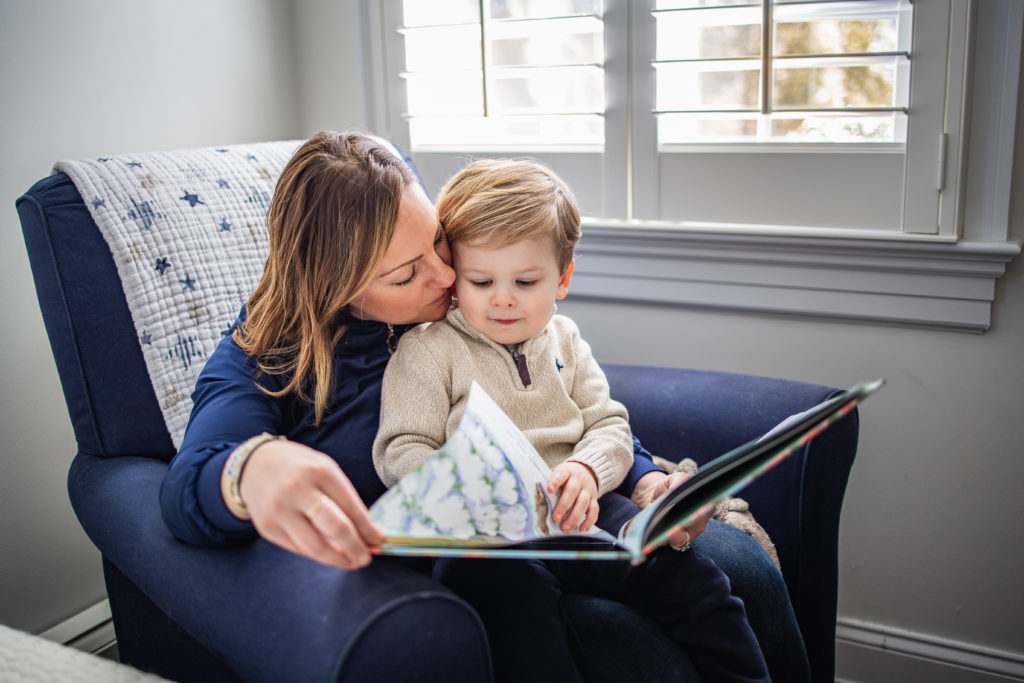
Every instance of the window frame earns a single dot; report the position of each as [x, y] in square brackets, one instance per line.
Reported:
[927, 155]
[935, 278]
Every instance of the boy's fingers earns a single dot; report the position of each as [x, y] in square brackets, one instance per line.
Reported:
[579, 511]
[558, 477]
[568, 499]
[591, 517]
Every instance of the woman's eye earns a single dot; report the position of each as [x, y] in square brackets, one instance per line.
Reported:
[415, 272]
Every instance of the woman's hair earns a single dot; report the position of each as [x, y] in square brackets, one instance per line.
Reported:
[497, 202]
[330, 222]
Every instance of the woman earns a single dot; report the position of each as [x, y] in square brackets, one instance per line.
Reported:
[291, 397]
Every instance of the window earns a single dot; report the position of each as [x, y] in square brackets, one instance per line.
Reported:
[782, 71]
[801, 110]
[737, 153]
[504, 74]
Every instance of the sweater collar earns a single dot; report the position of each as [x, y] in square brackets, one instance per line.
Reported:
[458, 321]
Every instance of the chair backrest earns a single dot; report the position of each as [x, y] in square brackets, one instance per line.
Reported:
[145, 257]
[141, 263]
[112, 404]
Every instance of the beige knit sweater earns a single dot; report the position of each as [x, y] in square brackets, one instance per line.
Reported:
[565, 410]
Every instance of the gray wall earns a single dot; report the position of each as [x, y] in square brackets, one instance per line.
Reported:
[931, 523]
[930, 528]
[931, 517]
[87, 79]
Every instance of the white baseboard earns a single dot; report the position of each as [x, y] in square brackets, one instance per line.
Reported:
[91, 630]
[866, 652]
[875, 653]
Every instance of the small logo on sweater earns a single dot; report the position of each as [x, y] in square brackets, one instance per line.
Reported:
[558, 365]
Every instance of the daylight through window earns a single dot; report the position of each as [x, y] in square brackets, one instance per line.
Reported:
[782, 71]
[526, 72]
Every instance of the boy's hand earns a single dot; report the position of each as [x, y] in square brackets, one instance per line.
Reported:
[577, 502]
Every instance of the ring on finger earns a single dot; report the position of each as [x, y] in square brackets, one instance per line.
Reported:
[685, 546]
[314, 508]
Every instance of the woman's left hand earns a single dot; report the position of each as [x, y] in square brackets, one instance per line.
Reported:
[654, 485]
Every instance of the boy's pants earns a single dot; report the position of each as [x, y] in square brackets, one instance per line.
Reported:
[683, 592]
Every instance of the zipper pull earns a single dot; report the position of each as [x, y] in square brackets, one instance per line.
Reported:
[524, 372]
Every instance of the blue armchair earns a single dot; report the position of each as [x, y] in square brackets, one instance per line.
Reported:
[176, 608]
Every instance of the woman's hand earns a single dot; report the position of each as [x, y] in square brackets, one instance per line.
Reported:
[577, 503]
[298, 498]
[654, 485]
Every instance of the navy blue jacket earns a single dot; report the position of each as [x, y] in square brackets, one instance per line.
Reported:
[229, 407]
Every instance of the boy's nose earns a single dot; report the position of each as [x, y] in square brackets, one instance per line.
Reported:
[502, 297]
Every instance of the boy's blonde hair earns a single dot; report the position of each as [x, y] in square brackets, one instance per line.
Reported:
[497, 202]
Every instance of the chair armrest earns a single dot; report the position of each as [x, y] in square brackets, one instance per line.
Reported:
[267, 613]
[702, 414]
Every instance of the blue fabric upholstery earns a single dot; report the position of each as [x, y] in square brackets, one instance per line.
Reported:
[176, 607]
[113, 408]
[701, 414]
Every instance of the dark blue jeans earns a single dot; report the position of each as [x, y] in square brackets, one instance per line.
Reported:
[758, 583]
[686, 594]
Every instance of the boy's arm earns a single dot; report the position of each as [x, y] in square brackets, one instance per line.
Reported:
[637, 478]
[607, 443]
[413, 411]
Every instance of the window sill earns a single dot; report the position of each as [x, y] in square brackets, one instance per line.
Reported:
[919, 282]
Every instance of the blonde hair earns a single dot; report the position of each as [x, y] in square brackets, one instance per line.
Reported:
[330, 222]
[497, 202]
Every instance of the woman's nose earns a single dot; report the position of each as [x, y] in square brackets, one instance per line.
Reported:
[443, 273]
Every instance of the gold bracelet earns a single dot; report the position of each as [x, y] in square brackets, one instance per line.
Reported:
[236, 463]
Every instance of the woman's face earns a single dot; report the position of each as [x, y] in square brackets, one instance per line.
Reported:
[413, 281]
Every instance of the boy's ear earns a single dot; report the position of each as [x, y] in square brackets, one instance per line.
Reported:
[563, 281]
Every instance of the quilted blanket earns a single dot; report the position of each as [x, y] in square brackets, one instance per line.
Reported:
[188, 235]
[30, 659]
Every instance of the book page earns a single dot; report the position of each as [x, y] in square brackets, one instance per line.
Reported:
[733, 471]
[485, 486]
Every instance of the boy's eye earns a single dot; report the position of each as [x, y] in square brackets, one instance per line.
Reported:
[441, 237]
[480, 283]
[526, 283]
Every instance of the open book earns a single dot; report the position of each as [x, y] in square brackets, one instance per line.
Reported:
[484, 493]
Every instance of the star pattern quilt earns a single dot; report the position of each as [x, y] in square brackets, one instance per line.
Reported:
[188, 235]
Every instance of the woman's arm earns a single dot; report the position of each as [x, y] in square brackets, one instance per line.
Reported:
[228, 408]
[294, 496]
[298, 498]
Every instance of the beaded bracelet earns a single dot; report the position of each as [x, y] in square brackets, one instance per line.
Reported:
[236, 463]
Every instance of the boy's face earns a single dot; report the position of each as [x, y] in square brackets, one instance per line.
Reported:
[508, 293]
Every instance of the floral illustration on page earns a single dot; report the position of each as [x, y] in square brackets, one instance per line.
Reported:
[468, 489]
